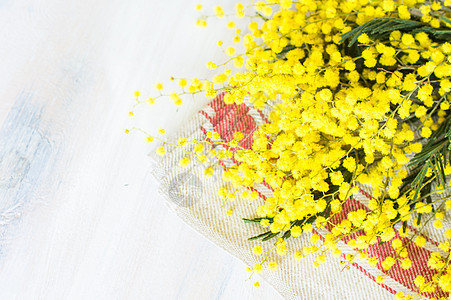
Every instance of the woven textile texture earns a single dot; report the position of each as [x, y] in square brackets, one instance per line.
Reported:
[194, 198]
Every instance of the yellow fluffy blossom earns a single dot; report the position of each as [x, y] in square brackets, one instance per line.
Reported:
[272, 265]
[184, 162]
[161, 151]
[159, 86]
[332, 117]
[258, 250]
[219, 11]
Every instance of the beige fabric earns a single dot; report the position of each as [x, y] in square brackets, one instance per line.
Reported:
[194, 198]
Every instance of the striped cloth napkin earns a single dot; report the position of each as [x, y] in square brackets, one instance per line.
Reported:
[194, 198]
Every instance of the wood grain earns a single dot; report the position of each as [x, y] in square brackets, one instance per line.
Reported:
[80, 216]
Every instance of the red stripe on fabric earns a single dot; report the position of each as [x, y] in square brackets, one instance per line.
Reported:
[263, 116]
[218, 103]
[418, 255]
[357, 266]
[246, 126]
[372, 277]
[430, 240]
[249, 128]
[233, 159]
[238, 125]
[258, 192]
[229, 121]
[220, 115]
[203, 113]
[203, 129]
[238, 120]
[267, 185]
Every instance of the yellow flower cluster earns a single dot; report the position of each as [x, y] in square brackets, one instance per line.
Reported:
[348, 108]
[339, 118]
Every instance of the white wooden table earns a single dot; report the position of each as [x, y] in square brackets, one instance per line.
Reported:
[80, 215]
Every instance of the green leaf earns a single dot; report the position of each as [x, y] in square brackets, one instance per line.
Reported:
[445, 19]
[363, 29]
[256, 220]
[428, 151]
[432, 166]
[287, 49]
[260, 236]
[287, 234]
[418, 181]
[270, 236]
[441, 169]
[356, 32]
[380, 29]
